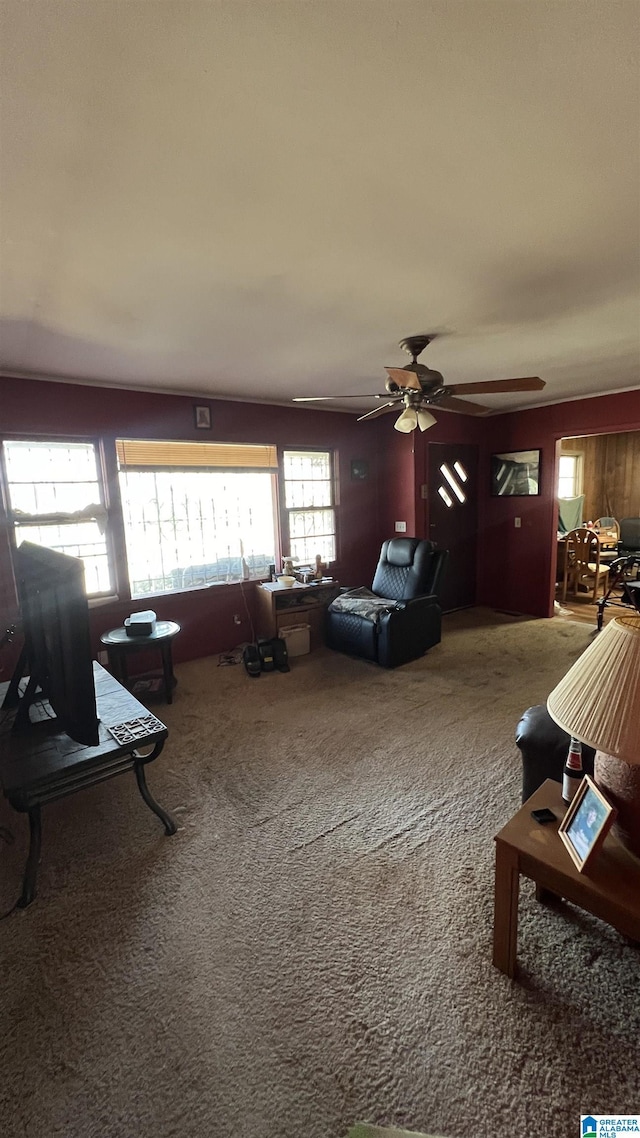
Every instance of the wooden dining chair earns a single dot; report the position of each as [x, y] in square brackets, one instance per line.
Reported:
[607, 528]
[608, 531]
[582, 569]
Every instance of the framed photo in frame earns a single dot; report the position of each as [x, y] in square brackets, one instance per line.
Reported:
[202, 417]
[515, 474]
[586, 823]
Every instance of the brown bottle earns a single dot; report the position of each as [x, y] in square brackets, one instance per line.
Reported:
[573, 772]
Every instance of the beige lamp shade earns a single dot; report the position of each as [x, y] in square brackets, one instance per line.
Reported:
[598, 701]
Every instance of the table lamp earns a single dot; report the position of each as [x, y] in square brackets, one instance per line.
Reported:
[598, 702]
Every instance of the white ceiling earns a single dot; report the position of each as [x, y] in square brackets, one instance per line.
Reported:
[259, 199]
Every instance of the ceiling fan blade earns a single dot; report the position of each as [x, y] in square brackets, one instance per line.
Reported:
[404, 378]
[527, 383]
[464, 406]
[325, 398]
[384, 410]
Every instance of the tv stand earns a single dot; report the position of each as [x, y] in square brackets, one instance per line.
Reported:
[40, 764]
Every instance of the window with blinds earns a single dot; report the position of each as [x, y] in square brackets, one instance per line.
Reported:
[196, 514]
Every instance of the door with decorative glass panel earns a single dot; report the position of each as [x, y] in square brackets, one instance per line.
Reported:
[452, 518]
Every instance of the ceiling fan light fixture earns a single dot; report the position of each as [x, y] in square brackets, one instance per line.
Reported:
[407, 421]
[425, 420]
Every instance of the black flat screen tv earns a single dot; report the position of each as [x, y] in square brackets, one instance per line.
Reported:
[57, 644]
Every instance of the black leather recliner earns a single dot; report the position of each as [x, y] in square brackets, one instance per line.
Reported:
[407, 578]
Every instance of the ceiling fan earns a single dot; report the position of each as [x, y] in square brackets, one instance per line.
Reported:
[417, 387]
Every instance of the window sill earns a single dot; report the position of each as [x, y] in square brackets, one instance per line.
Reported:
[150, 597]
[98, 602]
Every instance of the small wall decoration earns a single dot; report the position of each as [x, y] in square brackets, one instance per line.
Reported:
[515, 474]
[202, 417]
[586, 823]
[359, 469]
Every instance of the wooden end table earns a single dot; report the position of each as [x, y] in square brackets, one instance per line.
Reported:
[610, 889]
[119, 645]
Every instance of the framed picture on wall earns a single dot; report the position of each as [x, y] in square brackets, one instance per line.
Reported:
[515, 474]
[359, 469]
[202, 417]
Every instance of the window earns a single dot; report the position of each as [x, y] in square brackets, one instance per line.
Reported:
[196, 513]
[455, 476]
[55, 499]
[570, 476]
[309, 502]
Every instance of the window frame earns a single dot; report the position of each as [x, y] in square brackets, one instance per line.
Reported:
[578, 458]
[12, 522]
[285, 529]
[111, 500]
[273, 472]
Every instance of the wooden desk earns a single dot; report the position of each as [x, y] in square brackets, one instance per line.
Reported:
[610, 889]
[41, 764]
[279, 606]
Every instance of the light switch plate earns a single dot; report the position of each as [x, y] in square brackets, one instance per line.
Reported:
[401, 527]
[517, 522]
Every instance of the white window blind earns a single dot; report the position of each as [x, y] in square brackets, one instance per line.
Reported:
[156, 454]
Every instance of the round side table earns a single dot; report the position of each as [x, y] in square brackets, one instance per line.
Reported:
[118, 645]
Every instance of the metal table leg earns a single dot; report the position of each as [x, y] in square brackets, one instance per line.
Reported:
[170, 826]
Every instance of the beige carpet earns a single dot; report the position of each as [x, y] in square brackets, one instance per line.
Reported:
[314, 946]
[363, 1130]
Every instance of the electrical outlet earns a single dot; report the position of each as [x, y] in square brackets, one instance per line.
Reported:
[401, 527]
[103, 658]
[517, 523]
[237, 619]
[424, 491]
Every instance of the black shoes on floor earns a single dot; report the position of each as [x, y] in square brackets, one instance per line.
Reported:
[267, 656]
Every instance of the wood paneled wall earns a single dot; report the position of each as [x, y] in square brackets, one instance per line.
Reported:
[611, 474]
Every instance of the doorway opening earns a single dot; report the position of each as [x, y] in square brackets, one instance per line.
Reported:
[598, 487]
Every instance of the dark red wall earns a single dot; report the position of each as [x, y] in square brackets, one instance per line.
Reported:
[403, 467]
[516, 568]
[206, 615]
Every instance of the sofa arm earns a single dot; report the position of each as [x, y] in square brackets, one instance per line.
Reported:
[417, 603]
[544, 747]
